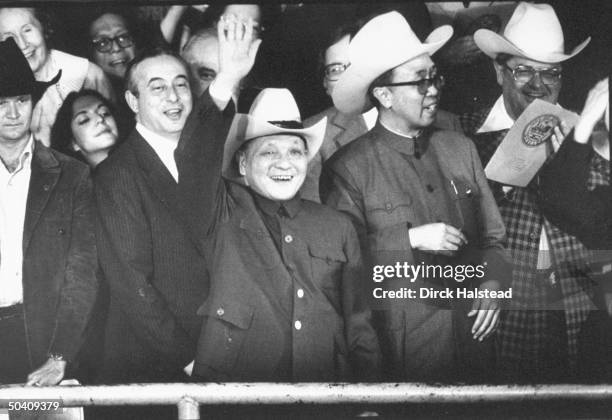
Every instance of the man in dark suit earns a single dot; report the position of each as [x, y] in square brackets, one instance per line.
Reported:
[148, 240]
[47, 244]
[154, 268]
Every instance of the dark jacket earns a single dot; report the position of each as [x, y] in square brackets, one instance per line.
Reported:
[341, 129]
[59, 255]
[382, 183]
[568, 203]
[243, 334]
[153, 263]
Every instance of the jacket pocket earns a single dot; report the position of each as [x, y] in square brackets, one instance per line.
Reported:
[224, 330]
[389, 209]
[326, 263]
[466, 198]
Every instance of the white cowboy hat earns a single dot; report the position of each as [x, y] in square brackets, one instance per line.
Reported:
[533, 32]
[274, 111]
[382, 44]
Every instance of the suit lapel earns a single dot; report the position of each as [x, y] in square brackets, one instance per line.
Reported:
[155, 172]
[342, 130]
[45, 174]
[158, 178]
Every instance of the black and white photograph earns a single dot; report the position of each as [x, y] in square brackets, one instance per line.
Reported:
[305, 210]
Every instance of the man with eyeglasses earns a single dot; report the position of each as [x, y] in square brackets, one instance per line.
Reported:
[112, 44]
[414, 193]
[540, 331]
[343, 128]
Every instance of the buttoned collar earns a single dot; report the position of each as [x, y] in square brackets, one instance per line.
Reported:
[271, 207]
[402, 143]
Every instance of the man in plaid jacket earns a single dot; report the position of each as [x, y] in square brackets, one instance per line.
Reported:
[541, 330]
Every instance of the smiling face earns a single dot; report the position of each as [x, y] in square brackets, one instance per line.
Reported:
[113, 62]
[162, 101]
[93, 126]
[22, 25]
[15, 117]
[404, 108]
[518, 96]
[274, 166]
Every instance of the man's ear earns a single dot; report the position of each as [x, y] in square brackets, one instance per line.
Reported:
[499, 72]
[241, 159]
[383, 95]
[132, 101]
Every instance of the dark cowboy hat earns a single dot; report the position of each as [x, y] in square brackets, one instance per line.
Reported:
[16, 77]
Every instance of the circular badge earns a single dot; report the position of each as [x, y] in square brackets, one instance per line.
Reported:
[539, 129]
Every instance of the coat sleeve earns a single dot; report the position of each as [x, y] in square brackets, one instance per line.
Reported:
[566, 201]
[493, 230]
[360, 335]
[126, 257]
[78, 292]
[199, 158]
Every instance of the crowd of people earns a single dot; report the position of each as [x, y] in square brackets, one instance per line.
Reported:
[168, 215]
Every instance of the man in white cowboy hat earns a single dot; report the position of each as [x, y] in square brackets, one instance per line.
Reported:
[414, 193]
[343, 128]
[536, 344]
[285, 301]
[47, 247]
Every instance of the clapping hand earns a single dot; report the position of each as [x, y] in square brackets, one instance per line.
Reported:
[595, 107]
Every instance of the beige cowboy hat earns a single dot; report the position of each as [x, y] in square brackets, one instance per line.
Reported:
[533, 32]
[383, 43]
[274, 111]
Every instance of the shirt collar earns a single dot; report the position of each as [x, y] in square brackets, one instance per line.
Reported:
[370, 117]
[25, 157]
[271, 207]
[498, 118]
[154, 139]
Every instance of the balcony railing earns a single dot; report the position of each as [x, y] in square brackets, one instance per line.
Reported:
[188, 397]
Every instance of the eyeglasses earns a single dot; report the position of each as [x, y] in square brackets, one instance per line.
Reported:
[333, 71]
[525, 74]
[422, 85]
[105, 44]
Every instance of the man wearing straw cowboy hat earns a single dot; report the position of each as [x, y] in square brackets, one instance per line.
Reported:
[550, 265]
[414, 193]
[47, 244]
[285, 300]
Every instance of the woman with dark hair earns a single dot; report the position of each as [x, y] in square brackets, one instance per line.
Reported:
[85, 127]
[27, 27]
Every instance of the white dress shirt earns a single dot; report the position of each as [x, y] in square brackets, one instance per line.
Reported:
[14, 187]
[163, 147]
[370, 117]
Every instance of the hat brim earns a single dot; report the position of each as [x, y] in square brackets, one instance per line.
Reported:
[492, 44]
[245, 128]
[350, 94]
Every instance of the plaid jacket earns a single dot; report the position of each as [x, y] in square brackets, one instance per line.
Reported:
[523, 332]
